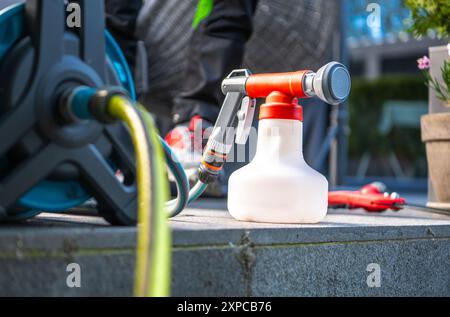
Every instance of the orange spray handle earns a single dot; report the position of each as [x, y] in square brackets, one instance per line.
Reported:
[290, 84]
[331, 83]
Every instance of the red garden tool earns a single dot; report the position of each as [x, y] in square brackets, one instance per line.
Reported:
[375, 198]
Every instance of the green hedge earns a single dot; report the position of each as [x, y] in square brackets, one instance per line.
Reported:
[365, 107]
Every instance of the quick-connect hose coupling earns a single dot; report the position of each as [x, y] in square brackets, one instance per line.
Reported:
[211, 165]
[86, 103]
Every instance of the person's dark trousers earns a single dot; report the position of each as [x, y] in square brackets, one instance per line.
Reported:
[121, 16]
[216, 48]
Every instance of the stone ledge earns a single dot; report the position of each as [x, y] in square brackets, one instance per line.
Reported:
[217, 256]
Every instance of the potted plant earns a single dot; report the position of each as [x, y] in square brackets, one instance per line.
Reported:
[434, 16]
[436, 133]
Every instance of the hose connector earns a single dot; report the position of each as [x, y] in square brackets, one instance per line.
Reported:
[86, 103]
[98, 105]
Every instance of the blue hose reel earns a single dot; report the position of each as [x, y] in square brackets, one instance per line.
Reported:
[39, 58]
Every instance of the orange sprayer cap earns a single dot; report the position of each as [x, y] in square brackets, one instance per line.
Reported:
[281, 106]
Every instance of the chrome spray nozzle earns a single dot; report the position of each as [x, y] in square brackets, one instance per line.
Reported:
[331, 83]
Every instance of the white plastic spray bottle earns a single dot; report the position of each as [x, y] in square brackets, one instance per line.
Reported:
[277, 186]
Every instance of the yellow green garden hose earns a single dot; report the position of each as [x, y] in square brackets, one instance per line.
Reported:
[153, 258]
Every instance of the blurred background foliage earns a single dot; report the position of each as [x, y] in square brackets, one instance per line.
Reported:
[429, 15]
[366, 104]
[389, 94]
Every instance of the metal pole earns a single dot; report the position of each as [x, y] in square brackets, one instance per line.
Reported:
[339, 114]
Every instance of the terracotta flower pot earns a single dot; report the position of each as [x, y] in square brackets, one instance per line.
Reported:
[436, 135]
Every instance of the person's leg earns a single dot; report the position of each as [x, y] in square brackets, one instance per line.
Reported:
[121, 17]
[222, 28]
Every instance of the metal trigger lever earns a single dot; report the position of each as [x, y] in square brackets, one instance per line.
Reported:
[245, 116]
